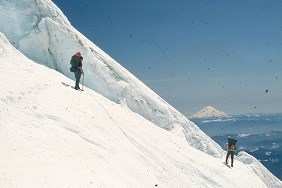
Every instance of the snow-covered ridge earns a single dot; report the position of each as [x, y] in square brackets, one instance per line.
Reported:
[40, 31]
[208, 112]
[48, 139]
[259, 168]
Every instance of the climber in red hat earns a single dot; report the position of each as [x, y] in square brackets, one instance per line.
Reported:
[76, 67]
[78, 54]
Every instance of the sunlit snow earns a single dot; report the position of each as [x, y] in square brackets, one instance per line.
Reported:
[116, 133]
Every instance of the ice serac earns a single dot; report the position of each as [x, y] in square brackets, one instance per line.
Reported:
[40, 30]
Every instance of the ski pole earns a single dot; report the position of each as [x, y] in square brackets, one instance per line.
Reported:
[82, 81]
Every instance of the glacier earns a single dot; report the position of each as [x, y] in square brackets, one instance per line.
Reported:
[40, 30]
[50, 140]
[108, 137]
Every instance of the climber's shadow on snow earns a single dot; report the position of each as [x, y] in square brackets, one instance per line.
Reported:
[67, 85]
[226, 165]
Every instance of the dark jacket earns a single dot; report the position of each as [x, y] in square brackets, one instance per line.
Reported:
[76, 61]
[231, 144]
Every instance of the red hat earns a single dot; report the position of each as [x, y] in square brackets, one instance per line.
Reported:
[78, 54]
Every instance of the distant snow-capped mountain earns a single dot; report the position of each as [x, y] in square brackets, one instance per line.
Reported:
[208, 112]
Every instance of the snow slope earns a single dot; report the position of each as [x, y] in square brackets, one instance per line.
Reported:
[41, 31]
[54, 136]
[208, 112]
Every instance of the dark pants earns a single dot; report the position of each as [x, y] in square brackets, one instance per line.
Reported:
[77, 75]
[232, 156]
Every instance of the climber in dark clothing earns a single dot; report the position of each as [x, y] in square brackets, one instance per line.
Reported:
[231, 147]
[76, 67]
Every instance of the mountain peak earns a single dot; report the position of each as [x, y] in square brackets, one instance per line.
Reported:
[208, 112]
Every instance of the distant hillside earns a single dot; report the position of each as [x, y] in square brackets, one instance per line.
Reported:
[208, 112]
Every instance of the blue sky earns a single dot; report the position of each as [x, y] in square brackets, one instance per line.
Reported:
[192, 53]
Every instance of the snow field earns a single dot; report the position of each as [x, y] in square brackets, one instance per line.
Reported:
[54, 136]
